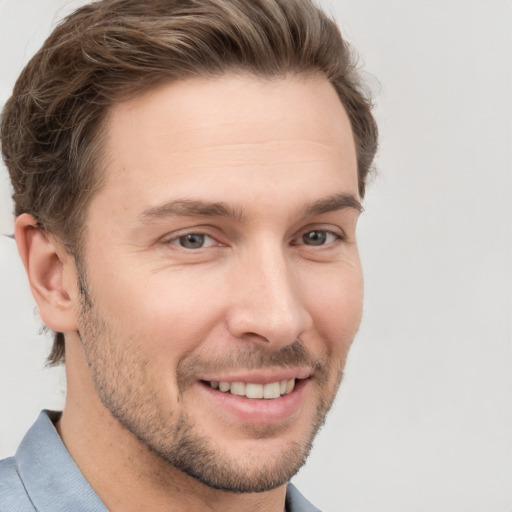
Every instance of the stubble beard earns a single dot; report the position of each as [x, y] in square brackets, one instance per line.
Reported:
[122, 380]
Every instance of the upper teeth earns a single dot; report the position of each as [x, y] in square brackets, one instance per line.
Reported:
[252, 390]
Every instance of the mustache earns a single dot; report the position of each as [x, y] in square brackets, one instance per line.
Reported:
[253, 357]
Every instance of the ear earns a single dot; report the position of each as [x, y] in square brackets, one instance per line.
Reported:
[51, 273]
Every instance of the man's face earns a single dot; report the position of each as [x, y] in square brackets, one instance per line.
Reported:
[223, 275]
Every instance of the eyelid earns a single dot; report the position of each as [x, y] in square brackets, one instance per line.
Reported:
[336, 237]
[338, 233]
[175, 241]
[173, 238]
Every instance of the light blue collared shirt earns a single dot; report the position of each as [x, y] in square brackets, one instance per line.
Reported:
[42, 477]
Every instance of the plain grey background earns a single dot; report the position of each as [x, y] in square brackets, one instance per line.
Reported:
[423, 420]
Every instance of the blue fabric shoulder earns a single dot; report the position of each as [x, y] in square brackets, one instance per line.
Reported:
[13, 496]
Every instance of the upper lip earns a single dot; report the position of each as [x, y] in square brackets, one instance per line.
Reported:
[259, 376]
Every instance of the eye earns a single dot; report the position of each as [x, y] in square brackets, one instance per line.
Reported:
[193, 241]
[318, 237]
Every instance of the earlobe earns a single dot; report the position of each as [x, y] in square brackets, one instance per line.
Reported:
[51, 273]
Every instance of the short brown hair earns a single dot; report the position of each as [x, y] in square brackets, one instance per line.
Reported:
[112, 49]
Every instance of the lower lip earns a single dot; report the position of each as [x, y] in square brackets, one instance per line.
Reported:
[258, 411]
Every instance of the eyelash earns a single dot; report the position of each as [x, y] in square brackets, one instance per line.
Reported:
[176, 240]
[337, 237]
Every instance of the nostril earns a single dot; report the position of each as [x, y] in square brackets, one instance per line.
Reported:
[255, 337]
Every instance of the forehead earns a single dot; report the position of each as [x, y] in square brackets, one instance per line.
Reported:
[207, 136]
[245, 100]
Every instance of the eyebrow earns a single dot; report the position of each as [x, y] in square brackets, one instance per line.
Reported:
[199, 208]
[192, 208]
[334, 203]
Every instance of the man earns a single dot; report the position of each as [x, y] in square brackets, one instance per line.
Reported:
[187, 181]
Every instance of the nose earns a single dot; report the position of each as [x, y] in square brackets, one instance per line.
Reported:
[268, 307]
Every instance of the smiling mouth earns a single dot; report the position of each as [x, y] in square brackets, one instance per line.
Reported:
[252, 390]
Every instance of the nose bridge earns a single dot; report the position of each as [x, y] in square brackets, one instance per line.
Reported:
[268, 302]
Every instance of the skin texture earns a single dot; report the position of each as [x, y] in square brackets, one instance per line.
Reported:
[261, 176]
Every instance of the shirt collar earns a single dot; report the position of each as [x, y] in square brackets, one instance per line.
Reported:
[50, 476]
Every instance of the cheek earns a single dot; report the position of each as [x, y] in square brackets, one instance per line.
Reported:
[337, 309]
[167, 312]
